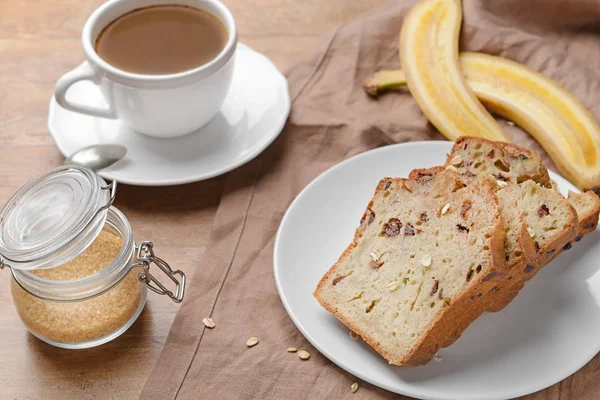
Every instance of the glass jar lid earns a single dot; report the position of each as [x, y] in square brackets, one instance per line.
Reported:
[53, 218]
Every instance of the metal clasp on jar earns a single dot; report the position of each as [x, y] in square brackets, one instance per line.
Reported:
[145, 257]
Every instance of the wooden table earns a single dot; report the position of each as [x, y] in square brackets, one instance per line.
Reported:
[39, 41]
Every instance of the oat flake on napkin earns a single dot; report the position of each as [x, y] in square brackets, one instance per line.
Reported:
[331, 120]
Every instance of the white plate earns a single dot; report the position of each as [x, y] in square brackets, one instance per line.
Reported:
[252, 116]
[547, 333]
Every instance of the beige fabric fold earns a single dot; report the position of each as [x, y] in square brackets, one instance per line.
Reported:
[331, 120]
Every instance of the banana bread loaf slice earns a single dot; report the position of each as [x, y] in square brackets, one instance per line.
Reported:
[551, 220]
[505, 161]
[587, 205]
[552, 223]
[418, 263]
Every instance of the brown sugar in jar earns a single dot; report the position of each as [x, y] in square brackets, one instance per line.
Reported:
[79, 279]
[87, 320]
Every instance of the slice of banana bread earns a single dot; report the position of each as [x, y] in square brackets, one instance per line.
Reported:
[552, 223]
[587, 205]
[506, 162]
[516, 167]
[419, 262]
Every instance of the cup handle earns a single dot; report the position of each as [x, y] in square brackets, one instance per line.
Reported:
[82, 73]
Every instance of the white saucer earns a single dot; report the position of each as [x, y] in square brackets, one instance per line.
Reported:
[252, 116]
[546, 334]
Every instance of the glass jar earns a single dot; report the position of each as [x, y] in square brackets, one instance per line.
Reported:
[79, 280]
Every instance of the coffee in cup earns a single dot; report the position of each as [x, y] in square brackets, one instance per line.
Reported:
[161, 40]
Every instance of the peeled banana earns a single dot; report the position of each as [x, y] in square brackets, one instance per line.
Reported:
[549, 113]
[429, 57]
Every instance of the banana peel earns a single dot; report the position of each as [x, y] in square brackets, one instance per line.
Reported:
[539, 105]
[384, 80]
[429, 57]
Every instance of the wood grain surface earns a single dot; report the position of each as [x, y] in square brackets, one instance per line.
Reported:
[40, 41]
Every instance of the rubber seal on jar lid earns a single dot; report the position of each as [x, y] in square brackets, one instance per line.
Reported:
[53, 218]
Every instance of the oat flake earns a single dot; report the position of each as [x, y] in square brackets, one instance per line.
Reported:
[209, 323]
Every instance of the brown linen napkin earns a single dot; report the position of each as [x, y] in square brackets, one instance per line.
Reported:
[331, 120]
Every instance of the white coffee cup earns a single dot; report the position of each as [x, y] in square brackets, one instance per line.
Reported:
[163, 106]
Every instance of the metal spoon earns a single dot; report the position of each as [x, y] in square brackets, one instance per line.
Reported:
[98, 156]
